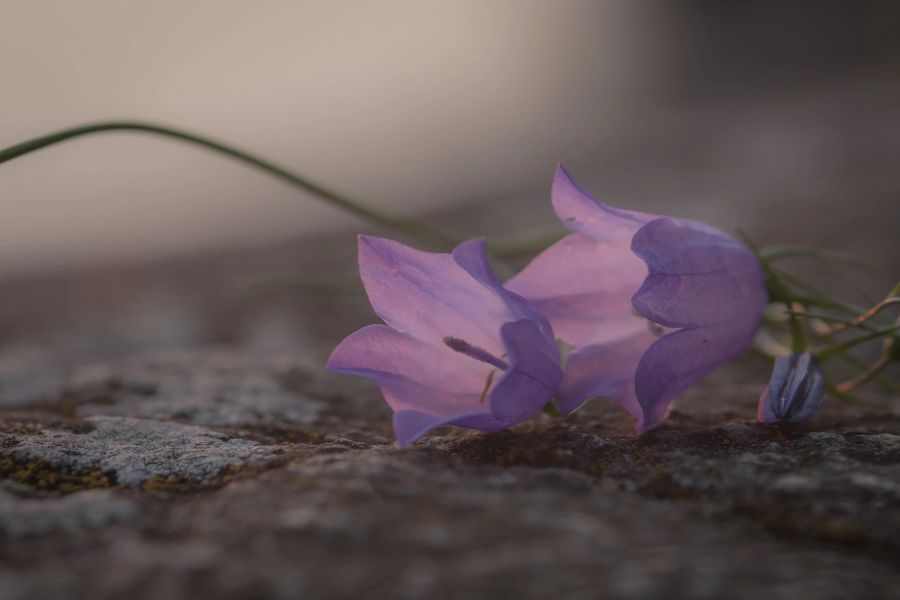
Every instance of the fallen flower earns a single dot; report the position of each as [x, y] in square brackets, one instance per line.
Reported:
[699, 296]
[794, 392]
[457, 347]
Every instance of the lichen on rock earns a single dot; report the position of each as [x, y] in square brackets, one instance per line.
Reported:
[133, 451]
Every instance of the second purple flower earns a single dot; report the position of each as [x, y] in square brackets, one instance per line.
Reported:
[650, 304]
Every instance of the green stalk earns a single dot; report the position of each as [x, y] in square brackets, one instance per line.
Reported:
[419, 231]
[860, 321]
[846, 322]
[864, 377]
[882, 380]
[885, 382]
[820, 299]
[836, 349]
[826, 257]
[845, 396]
[886, 303]
[778, 292]
[773, 253]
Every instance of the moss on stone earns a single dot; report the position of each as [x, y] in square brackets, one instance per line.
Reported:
[43, 476]
[159, 483]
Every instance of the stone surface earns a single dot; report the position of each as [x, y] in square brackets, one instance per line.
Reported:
[22, 517]
[133, 451]
[303, 494]
[209, 390]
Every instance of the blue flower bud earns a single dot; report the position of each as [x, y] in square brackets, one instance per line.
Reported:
[794, 391]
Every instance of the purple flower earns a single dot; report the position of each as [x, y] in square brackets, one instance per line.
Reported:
[794, 392]
[457, 348]
[699, 296]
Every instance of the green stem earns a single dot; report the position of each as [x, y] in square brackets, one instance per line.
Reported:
[860, 321]
[820, 298]
[779, 292]
[845, 396]
[873, 312]
[552, 410]
[419, 231]
[826, 257]
[773, 253]
[864, 377]
[885, 382]
[832, 351]
[845, 322]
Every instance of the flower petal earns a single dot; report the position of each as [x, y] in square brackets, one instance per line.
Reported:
[698, 276]
[581, 212]
[533, 375]
[472, 257]
[412, 374]
[427, 299]
[430, 388]
[429, 296]
[677, 361]
[604, 370]
[585, 288]
[410, 425]
[584, 282]
[795, 390]
[701, 280]
[767, 402]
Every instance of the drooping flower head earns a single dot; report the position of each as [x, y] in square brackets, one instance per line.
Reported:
[650, 304]
[457, 348]
[794, 392]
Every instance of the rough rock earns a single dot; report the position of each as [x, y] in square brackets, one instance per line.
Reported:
[209, 390]
[710, 505]
[132, 451]
[29, 517]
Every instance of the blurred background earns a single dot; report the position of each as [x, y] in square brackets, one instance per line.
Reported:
[781, 118]
[764, 114]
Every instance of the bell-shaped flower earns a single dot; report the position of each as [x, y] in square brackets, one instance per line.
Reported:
[457, 348]
[650, 304]
[794, 392]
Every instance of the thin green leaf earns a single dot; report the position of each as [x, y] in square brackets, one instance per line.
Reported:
[818, 295]
[830, 319]
[833, 261]
[418, 230]
[831, 351]
[883, 380]
[773, 253]
[845, 396]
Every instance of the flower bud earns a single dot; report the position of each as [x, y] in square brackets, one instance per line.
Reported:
[794, 392]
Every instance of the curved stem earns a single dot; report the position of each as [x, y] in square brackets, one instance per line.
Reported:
[843, 323]
[778, 292]
[891, 300]
[413, 229]
[864, 377]
[884, 382]
[818, 298]
[831, 351]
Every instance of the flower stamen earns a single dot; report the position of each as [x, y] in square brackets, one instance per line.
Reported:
[464, 347]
